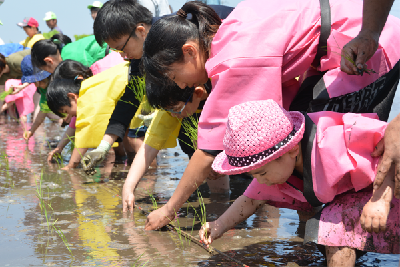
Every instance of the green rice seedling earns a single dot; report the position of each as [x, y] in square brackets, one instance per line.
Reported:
[57, 157]
[153, 200]
[6, 93]
[62, 236]
[137, 264]
[43, 207]
[190, 125]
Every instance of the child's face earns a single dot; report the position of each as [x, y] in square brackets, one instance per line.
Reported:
[42, 84]
[30, 31]
[52, 61]
[190, 107]
[191, 72]
[276, 171]
[71, 111]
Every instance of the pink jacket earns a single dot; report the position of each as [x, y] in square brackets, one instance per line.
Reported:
[263, 46]
[340, 160]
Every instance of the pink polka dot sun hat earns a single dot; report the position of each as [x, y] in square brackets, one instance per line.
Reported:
[257, 132]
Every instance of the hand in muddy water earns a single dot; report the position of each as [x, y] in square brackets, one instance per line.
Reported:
[128, 199]
[91, 159]
[159, 218]
[210, 232]
[374, 215]
[54, 153]
[27, 135]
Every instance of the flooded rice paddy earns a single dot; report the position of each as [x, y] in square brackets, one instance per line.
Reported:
[51, 217]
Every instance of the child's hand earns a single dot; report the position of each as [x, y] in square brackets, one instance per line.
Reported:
[374, 215]
[54, 152]
[27, 135]
[128, 199]
[67, 167]
[210, 231]
[18, 89]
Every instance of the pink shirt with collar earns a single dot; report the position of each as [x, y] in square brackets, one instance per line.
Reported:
[263, 46]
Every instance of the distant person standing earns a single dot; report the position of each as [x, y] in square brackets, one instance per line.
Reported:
[31, 28]
[51, 21]
[158, 8]
[94, 8]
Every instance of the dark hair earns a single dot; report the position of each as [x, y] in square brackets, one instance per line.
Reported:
[44, 48]
[3, 62]
[63, 82]
[30, 27]
[163, 44]
[117, 18]
[169, 95]
[94, 9]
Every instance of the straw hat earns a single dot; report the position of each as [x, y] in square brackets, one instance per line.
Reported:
[257, 133]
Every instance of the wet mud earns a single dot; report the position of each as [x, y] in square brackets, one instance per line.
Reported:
[51, 217]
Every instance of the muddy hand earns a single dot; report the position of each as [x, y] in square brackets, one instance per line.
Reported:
[209, 232]
[374, 216]
[128, 199]
[159, 218]
[91, 159]
[357, 52]
[391, 155]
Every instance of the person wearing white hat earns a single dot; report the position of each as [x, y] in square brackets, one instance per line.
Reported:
[51, 21]
[94, 8]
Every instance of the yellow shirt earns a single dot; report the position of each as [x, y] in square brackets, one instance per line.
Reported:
[30, 41]
[97, 99]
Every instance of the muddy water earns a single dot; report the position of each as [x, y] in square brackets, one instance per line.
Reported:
[77, 219]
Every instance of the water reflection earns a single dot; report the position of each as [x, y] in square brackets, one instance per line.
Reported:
[87, 211]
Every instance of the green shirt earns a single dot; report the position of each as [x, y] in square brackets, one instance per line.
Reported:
[85, 50]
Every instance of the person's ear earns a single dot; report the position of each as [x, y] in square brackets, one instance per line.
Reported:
[198, 92]
[189, 50]
[141, 31]
[48, 61]
[294, 151]
[72, 97]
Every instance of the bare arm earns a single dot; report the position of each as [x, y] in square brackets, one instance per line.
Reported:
[390, 147]
[241, 209]
[364, 45]
[76, 156]
[38, 121]
[145, 155]
[195, 174]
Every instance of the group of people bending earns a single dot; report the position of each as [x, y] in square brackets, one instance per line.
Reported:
[265, 84]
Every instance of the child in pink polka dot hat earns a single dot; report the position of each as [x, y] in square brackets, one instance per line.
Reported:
[301, 161]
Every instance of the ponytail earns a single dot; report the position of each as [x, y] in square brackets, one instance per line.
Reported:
[66, 79]
[163, 44]
[48, 47]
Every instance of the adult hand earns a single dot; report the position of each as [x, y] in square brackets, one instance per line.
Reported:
[390, 147]
[358, 51]
[159, 218]
[210, 231]
[54, 152]
[27, 135]
[128, 199]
